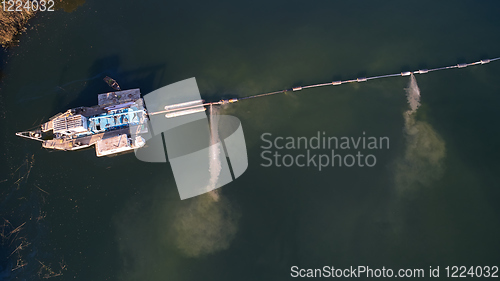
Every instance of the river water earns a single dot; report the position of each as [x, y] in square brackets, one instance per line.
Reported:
[430, 200]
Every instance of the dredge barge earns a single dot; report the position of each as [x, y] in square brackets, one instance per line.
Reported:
[119, 122]
[106, 125]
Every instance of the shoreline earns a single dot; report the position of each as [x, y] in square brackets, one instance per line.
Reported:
[13, 24]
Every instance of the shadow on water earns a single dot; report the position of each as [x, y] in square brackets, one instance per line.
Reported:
[146, 78]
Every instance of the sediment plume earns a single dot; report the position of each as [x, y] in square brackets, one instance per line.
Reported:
[205, 226]
[207, 223]
[215, 165]
[425, 150]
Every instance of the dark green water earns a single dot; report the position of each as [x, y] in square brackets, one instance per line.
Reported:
[118, 218]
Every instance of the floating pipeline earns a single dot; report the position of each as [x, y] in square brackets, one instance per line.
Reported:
[358, 80]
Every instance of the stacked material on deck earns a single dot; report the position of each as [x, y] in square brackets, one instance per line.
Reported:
[113, 145]
[70, 125]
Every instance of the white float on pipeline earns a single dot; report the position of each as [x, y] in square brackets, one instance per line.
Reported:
[422, 71]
